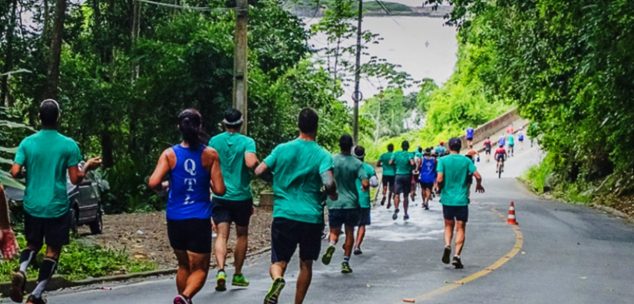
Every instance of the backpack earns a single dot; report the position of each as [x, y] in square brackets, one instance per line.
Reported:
[427, 170]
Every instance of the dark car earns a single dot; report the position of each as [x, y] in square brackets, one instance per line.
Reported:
[85, 202]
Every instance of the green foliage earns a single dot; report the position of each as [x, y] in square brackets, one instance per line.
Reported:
[80, 260]
[385, 6]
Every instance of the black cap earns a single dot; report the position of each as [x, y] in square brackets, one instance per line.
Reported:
[455, 144]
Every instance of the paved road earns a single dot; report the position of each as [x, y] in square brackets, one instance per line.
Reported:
[570, 254]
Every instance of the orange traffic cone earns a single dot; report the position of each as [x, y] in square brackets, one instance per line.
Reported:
[511, 220]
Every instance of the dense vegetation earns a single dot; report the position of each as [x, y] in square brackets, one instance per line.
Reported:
[568, 67]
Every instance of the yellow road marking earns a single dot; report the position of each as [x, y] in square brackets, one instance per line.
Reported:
[519, 242]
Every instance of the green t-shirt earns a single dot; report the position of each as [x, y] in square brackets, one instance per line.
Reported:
[402, 162]
[456, 170]
[388, 170]
[297, 167]
[364, 196]
[47, 155]
[232, 148]
[348, 169]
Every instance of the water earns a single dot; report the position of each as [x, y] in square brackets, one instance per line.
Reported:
[424, 47]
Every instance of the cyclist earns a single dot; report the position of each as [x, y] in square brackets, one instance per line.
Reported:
[500, 156]
[387, 178]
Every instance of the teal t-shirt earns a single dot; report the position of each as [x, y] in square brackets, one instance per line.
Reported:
[47, 155]
[232, 148]
[388, 170]
[402, 162]
[297, 167]
[511, 140]
[456, 170]
[348, 169]
[364, 196]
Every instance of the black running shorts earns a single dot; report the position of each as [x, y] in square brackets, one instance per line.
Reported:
[287, 234]
[192, 235]
[52, 231]
[226, 211]
[364, 217]
[458, 213]
[403, 184]
[340, 217]
[388, 181]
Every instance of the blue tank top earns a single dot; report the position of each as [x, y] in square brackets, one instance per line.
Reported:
[189, 196]
[427, 170]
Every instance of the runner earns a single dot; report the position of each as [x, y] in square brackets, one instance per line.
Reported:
[47, 156]
[344, 211]
[502, 140]
[520, 138]
[387, 178]
[404, 163]
[418, 156]
[469, 135]
[473, 154]
[427, 177]
[500, 156]
[8, 244]
[487, 148]
[300, 168]
[454, 198]
[192, 168]
[237, 158]
[511, 144]
[364, 199]
[441, 150]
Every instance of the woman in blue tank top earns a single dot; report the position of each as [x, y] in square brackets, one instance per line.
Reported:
[194, 169]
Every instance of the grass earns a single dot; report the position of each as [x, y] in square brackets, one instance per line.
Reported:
[80, 260]
[541, 179]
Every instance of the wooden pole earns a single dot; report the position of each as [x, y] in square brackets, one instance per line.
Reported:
[240, 60]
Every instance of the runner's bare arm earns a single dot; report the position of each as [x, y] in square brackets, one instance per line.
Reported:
[217, 182]
[478, 178]
[251, 160]
[328, 179]
[439, 180]
[77, 176]
[162, 168]
[365, 184]
[16, 171]
[8, 244]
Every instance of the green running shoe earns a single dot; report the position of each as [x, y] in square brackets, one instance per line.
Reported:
[345, 268]
[239, 280]
[221, 281]
[328, 255]
[274, 292]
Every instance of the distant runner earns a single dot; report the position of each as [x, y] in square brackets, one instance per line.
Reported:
[364, 199]
[454, 198]
[469, 135]
[387, 178]
[404, 162]
[473, 154]
[487, 148]
[441, 150]
[520, 138]
[344, 211]
[48, 157]
[193, 169]
[300, 168]
[427, 177]
[511, 144]
[418, 156]
[237, 159]
[502, 141]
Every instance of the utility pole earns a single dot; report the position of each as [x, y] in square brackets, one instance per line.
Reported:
[240, 60]
[357, 96]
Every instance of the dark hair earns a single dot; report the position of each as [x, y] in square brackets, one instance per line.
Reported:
[233, 119]
[49, 113]
[390, 147]
[190, 125]
[455, 144]
[308, 121]
[428, 151]
[359, 152]
[420, 149]
[405, 145]
[346, 143]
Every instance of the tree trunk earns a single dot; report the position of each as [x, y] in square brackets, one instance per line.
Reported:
[55, 52]
[106, 149]
[8, 59]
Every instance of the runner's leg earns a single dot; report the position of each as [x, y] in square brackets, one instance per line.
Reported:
[198, 268]
[460, 236]
[242, 241]
[220, 246]
[47, 269]
[183, 271]
[304, 278]
[449, 227]
[349, 242]
[360, 236]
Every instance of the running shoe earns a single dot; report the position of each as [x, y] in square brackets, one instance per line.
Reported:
[345, 267]
[358, 251]
[34, 300]
[221, 281]
[446, 254]
[180, 299]
[406, 217]
[383, 201]
[274, 292]
[327, 257]
[18, 280]
[395, 215]
[457, 263]
[239, 280]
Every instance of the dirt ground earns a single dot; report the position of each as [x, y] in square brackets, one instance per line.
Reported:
[144, 235]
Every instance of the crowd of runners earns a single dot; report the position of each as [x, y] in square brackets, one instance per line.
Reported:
[208, 187]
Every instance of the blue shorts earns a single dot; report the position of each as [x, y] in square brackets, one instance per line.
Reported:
[364, 217]
[339, 217]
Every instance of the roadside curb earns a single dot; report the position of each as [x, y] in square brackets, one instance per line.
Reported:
[58, 282]
[614, 212]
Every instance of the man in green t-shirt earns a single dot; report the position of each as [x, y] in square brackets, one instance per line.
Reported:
[364, 198]
[47, 157]
[300, 168]
[237, 158]
[404, 163]
[387, 177]
[344, 211]
[454, 179]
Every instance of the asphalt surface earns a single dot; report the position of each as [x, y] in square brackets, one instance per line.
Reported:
[570, 254]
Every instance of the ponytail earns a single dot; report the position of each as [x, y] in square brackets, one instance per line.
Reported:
[190, 125]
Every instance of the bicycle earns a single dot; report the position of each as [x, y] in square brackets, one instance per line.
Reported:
[500, 168]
